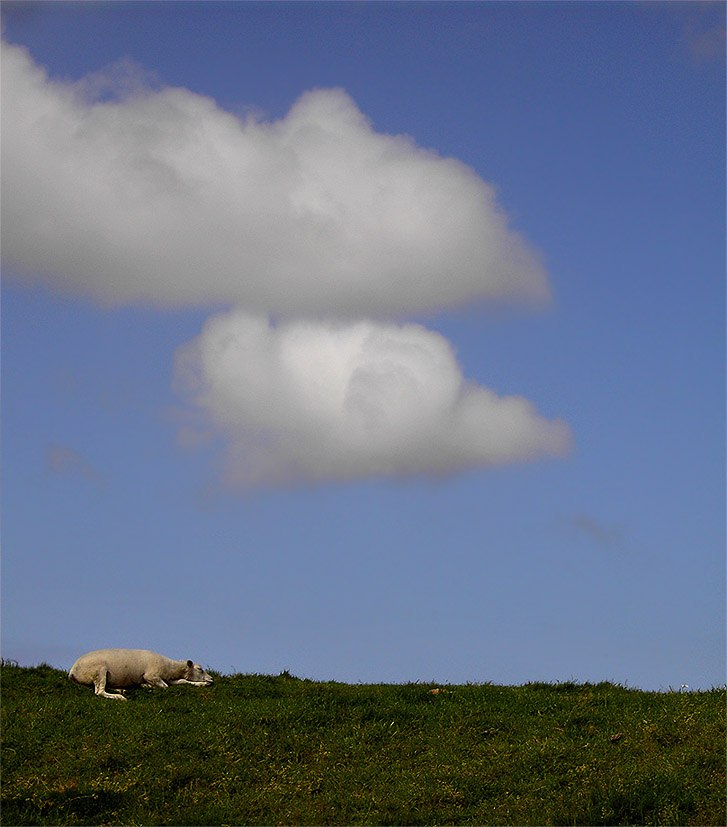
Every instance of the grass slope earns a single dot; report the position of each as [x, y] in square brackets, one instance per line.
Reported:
[255, 749]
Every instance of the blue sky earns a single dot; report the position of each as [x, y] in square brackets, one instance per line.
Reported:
[283, 391]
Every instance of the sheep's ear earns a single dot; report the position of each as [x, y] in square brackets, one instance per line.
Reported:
[190, 663]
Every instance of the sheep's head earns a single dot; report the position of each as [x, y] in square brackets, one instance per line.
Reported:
[195, 674]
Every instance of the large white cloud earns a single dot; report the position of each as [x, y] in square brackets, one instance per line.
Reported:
[129, 194]
[312, 401]
[162, 197]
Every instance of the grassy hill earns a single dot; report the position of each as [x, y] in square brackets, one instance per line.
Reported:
[255, 749]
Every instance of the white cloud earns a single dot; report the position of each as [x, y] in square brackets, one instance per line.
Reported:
[132, 195]
[128, 193]
[312, 401]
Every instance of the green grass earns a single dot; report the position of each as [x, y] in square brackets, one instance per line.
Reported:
[255, 749]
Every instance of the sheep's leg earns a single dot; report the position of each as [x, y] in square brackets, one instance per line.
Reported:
[100, 685]
[155, 680]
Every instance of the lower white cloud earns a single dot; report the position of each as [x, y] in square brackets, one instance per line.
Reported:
[330, 401]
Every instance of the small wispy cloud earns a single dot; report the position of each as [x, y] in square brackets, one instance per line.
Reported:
[64, 460]
[706, 41]
[606, 536]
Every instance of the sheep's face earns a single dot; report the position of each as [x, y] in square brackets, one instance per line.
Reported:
[195, 674]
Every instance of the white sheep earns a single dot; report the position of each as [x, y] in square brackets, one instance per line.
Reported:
[131, 667]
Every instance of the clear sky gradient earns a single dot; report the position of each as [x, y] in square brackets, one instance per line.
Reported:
[282, 390]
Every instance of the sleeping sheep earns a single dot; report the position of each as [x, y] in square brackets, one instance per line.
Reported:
[131, 667]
